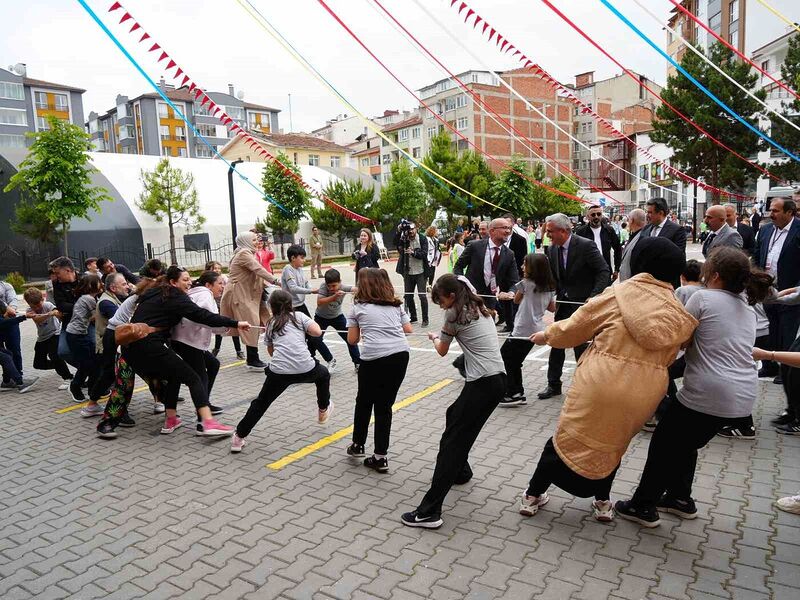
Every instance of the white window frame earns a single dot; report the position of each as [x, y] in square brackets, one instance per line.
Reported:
[11, 85]
[336, 162]
[461, 101]
[402, 135]
[365, 161]
[36, 102]
[16, 110]
[462, 123]
[161, 132]
[12, 137]
[415, 133]
[313, 160]
[165, 106]
[180, 134]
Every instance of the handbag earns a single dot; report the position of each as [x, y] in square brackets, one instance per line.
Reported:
[129, 333]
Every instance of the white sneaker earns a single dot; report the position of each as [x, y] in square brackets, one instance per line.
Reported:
[158, 408]
[529, 505]
[324, 415]
[92, 410]
[237, 443]
[332, 366]
[790, 504]
[603, 510]
[64, 386]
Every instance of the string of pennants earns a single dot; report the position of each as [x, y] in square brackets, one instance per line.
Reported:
[506, 47]
[214, 110]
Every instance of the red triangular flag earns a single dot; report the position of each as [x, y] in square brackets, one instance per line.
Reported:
[154, 47]
[145, 36]
[163, 56]
[191, 87]
[470, 12]
[170, 64]
[462, 7]
[205, 99]
[135, 27]
[115, 6]
[125, 17]
[185, 79]
[485, 25]
[491, 33]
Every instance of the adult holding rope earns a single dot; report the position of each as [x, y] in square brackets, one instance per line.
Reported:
[242, 299]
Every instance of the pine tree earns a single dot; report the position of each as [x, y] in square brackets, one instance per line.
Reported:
[403, 197]
[512, 190]
[781, 132]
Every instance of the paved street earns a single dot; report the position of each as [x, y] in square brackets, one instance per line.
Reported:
[153, 516]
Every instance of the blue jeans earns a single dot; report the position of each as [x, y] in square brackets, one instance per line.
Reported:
[10, 372]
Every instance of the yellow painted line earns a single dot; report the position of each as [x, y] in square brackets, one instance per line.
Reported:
[67, 409]
[334, 437]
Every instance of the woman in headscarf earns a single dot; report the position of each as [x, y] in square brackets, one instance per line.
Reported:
[242, 299]
[637, 328]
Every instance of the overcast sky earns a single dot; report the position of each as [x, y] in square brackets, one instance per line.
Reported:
[216, 42]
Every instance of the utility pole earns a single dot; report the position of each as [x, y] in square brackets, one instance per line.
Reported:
[233, 204]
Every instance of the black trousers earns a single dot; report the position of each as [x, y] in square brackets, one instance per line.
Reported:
[672, 455]
[45, 358]
[410, 282]
[274, 385]
[202, 362]
[339, 323]
[315, 343]
[552, 470]
[378, 383]
[555, 364]
[514, 353]
[464, 420]
[155, 360]
[106, 373]
[791, 383]
[237, 344]
[783, 325]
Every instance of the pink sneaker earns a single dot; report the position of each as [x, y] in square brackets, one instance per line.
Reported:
[237, 443]
[213, 428]
[324, 415]
[171, 424]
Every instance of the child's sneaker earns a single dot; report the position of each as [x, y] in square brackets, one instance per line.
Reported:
[381, 465]
[237, 443]
[64, 385]
[92, 410]
[171, 424]
[324, 415]
[603, 510]
[158, 408]
[356, 451]
[27, 384]
[76, 392]
[332, 366]
[529, 505]
[211, 427]
[414, 519]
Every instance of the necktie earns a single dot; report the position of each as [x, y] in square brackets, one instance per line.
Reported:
[495, 259]
[708, 243]
[562, 262]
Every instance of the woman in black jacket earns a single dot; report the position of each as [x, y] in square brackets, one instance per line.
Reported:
[163, 307]
[366, 254]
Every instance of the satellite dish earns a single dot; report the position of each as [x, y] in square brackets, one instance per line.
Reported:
[19, 69]
[240, 94]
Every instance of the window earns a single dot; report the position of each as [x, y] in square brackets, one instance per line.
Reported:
[765, 66]
[200, 111]
[41, 99]
[402, 135]
[207, 130]
[93, 126]
[450, 103]
[462, 123]
[42, 124]
[365, 162]
[122, 110]
[12, 91]
[235, 112]
[733, 38]
[336, 162]
[202, 151]
[416, 152]
[576, 147]
[374, 160]
[163, 111]
[733, 11]
[431, 131]
[163, 131]
[386, 159]
[385, 177]
[8, 140]
[715, 22]
[182, 152]
[589, 127]
[165, 151]
[313, 160]
[180, 133]
[294, 158]
[125, 132]
[461, 101]
[415, 133]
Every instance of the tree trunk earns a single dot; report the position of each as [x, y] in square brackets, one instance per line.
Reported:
[172, 256]
[65, 230]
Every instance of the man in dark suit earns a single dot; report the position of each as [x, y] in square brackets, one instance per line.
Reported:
[604, 237]
[658, 224]
[747, 233]
[777, 251]
[720, 233]
[580, 272]
[490, 265]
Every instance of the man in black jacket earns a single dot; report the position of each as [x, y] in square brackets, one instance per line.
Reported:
[659, 224]
[580, 272]
[106, 265]
[604, 237]
[747, 233]
[412, 264]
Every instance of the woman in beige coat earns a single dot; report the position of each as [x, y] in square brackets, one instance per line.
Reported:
[636, 329]
[242, 299]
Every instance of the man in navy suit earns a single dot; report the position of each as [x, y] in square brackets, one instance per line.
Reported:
[777, 251]
[658, 224]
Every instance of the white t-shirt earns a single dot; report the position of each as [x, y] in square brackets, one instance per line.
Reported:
[290, 355]
[381, 329]
[597, 241]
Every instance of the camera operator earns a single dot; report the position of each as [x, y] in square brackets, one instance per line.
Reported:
[412, 264]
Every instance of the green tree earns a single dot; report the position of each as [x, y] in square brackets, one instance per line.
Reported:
[54, 180]
[168, 194]
[512, 190]
[403, 196]
[786, 135]
[32, 221]
[546, 202]
[352, 195]
[287, 191]
[695, 152]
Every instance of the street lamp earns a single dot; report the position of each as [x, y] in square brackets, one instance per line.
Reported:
[233, 205]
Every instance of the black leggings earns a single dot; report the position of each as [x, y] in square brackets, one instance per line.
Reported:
[108, 360]
[275, 384]
[155, 360]
[237, 345]
[204, 364]
[514, 353]
[45, 357]
[378, 383]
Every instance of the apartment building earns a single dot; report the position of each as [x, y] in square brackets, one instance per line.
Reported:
[406, 134]
[25, 104]
[727, 18]
[146, 124]
[451, 102]
[301, 148]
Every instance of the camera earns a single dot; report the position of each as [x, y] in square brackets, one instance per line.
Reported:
[404, 232]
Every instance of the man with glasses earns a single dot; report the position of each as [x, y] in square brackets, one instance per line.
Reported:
[604, 237]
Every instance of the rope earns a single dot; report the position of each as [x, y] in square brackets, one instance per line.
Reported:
[775, 12]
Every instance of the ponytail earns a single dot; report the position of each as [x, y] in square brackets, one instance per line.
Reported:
[737, 274]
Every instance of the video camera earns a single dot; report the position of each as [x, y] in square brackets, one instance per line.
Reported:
[404, 232]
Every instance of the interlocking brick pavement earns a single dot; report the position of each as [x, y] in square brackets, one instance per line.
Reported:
[152, 516]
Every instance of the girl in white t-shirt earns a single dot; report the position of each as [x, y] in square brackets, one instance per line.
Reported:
[535, 294]
[291, 363]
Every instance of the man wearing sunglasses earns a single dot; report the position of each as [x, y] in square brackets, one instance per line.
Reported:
[604, 237]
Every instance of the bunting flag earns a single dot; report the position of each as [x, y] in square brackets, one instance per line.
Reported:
[226, 120]
[567, 94]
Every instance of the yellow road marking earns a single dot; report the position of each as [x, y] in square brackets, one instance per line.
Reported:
[334, 437]
[61, 411]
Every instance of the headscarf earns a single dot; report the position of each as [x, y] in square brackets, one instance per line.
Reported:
[244, 241]
[659, 257]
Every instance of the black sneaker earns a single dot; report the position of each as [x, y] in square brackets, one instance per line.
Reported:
[515, 400]
[738, 433]
[792, 428]
[216, 410]
[356, 451]
[413, 320]
[240, 355]
[7, 386]
[425, 322]
[651, 424]
[778, 380]
[27, 384]
[413, 519]
[105, 430]
[214, 352]
[125, 421]
[685, 509]
[76, 393]
[644, 517]
[782, 419]
[256, 366]
[381, 465]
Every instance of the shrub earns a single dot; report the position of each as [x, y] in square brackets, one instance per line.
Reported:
[17, 281]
